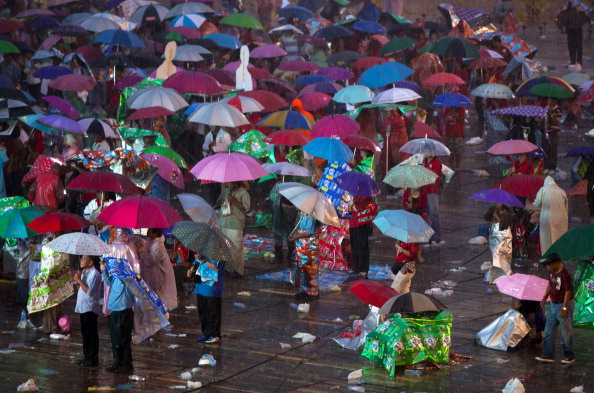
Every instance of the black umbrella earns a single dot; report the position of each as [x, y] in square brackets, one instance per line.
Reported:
[331, 32]
[70, 31]
[313, 5]
[144, 59]
[204, 42]
[450, 46]
[344, 56]
[114, 61]
[11, 108]
[411, 302]
[206, 240]
[15, 94]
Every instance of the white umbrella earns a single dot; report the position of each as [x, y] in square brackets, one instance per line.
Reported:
[157, 96]
[404, 226]
[193, 48]
[419, 146]
[98, 24]
[76, 18]
[188, 53]
[218, 114]
[123, 24]
[198, 209]
[394, 95]
[285, 169]
[79, 243]
[310, 201]
[493, 90]
[189, 8]
[248, 104]
[138, 15]
[283, 28]
[189, 20]
[107, 130]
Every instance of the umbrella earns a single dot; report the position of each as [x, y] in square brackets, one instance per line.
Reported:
[450, 46]
[310, 201]
[551, 90]
[576, 78]
[6, 82]
[186, 32]
[63, 106]
[398, 44]
[90, 53]
[496, 195]
[411, 302]
[157, 96]
[443, 78]
[225, 41]
[193, 82]
[127, 81]
[241, 20]
[369, 27]
[404, 226]
[198, 209]
[97, 24]
[360, 142]
[332, 32]
[451, 100]
[422, 130]
[581, 188]
[354, 94]
[11, 108]
[487, 62]
[271, 101]
[9, 26]
[288, 119]
[523, 286]
[410, 176]
[573, 244]
[315, 101]
[218, 114]
[51, 72]
[14, 222]
[512, 146]
[335, 73]
[94, 125]
[150, 112]
[61, 123]
[67, 31]
[76, 18]
[267, 51]
[228, 167]
[149, 13]
[372, 292]
[301, 13]
[206, 240]
[311, 79]
[168, 152]
[334, 126]
[131, 212]
[420, 145]
[167, 169]
[298, 66]
[516, 46]
[44, 22]
[395, 95]
[384, 74]
[525, 88]
[57, 222]
[244, 104]
[358, 183]
[191, 49]
[324, 87]
[8, 47]
[312, 40]
[524, 110]
[34, 12]
[119, 37]
[103, 181]
[329, 149]
[580, 151]
[526, 186]
[493, 90]
[286, 169]
[188, 8]
[287, 138]
[344, 57]
[73, 82]
[80, 244]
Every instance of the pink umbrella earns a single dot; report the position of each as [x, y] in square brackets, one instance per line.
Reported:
[512, 146]
[49, 42]
[423, 130]
[193, 82]
[150, 112]
[267, 51]
[324, 87]
[299, 66]
[128, 81]
[73, 82]
[63, 106]
[228, 167]
[140, 212]
[167, 169]
[234, 65]
[334, 125]
[187, 32]
[523, 286]
[315, 101]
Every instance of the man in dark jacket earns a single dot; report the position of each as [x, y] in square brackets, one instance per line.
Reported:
[574, 21]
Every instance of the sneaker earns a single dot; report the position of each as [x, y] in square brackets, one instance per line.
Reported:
[578, 67]
[441, 243]
[202, 338]
[90, 363]
[542, 359]
[213, 340]
[568, 361]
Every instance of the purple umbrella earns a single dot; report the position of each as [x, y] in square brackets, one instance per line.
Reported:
[45, 22]
[63, 106]
[496, 195]
[51, 72]
[299, 66]
[267, 51]
[336, 73]
[234, 65]
[525, 110]
[409, 85]
[324, 87]
[358, 183]
[312, 40]
[61, 123]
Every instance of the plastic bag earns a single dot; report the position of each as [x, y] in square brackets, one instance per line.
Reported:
[28, 386]
[506, 331]
[226, 209]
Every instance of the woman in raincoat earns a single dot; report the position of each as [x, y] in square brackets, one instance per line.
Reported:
[552, 201]
[500, 239]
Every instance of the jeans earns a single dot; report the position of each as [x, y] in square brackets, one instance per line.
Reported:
[550, 333]
[433, 211]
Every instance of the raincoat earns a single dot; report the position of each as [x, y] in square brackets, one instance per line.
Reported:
[552, 201]
[500, 244]
[157, 271]
[47, 191]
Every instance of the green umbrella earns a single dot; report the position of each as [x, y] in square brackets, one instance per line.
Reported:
[400, 19]
[575, 243]
[398, 44]
[139, 132]
[167, 152]
[242, 20]
[450, 46]
[8, 47]
[14, 202]
[249, 143]
[13, 223]
[551, 90]
[207, 240]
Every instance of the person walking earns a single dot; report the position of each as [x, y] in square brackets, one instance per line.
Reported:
[432, 191]
[552, 201]
[574, 22]
[363, 211]
[559, 311]
[235, 203]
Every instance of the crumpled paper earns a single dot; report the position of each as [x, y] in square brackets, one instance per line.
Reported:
[28, 386]
[514, 386]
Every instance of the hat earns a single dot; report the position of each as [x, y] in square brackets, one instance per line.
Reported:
[552, 258]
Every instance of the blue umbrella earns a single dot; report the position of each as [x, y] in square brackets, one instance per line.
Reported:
[369, 12]
[294, 11]
[384, 74]
[404, 226]
[45, 22]
[331, 32]
[31, 121]
[354, 94]
[496, 195]
[409, 85]
[6, 82]
[329, 149]
[366, 26]
[451, 99]
[358, 183]
[119, 37]
[311, 79]
[224, 40]
[51, 72]
[581, 151]
[113, 4]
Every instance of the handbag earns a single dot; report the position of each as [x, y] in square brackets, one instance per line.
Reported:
[195, 276]
[226, 209]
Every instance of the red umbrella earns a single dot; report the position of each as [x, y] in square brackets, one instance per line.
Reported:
[314, 101]
[372, 292]
[334, 125]
[103, 181]
[299, 66]
[8, 26]
[73, 82]
[360, 142]
[193, 82]
[423, 130]
[313, 40]
[150, 112]
[63, 106]
[521, 185]
[442, 78]
[167, 169]
[278, 85]
[368, 62]
[248, 127]
[258, 73]
[90, 53]
[56, 222]
[221, 76]
[140, 212]
[187, 32]
[287, 138]
[271, 102]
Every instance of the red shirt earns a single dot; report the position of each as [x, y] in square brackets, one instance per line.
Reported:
[413, 248]
[454, 118]
[364, 211]
[418, 205]
[435, 166]
[525, 168]
[560, 283]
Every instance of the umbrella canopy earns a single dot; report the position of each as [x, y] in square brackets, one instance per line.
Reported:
[358, 183]
[119, 37]
[168, 152]
[97, 24]
[189, 8]
[157, 96]
[404, 226]
[526, 186]
[167, 169]
[271, 101]
[332, 32]
[493, 90]
[422, 130]
[206, 240]
[241, 20]
[103, 181]
[526, 87]
[369, 27]
[329, 149]
[61, 123]
[150, 112]
[450, 46]
[95, 125]
[523, 286]
[287, 138]
[410, 176]
[335, 73]
[131, 212]
[372, 292]
[193, 82]
[149, 13]
[574, 244]
[228, 167]
[80, 244]
[344, 57]
[334, 126]
[323, 87]
[311, 79]
[512, 146]
[395, 95]
[301, 13]
[190, 20]
[218, 114]
[384, 74]
[315, 101]
[14, 222]
[198, 209]
[360, 142]
[310, 201]
[411, 302]
[443, 78]
[298, 66]
[286, 169]
[73, 82]
[225, 41]
[524, 110]
[313, 40]
[551, 90]
[421, 145]
[451, 100]
[243, 104]
[51, 72]
[57, 222]
[8, 47]
[354, 94]
[495, 195]
[580, 151]
[398, 44]
[288, 119]
[63, 106]
[267, 51]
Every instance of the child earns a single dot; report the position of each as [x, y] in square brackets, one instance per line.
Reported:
[87, 305]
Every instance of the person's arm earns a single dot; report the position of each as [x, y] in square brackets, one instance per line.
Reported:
[106, 276]
[80, 282]
[546, 295]
[566, 300]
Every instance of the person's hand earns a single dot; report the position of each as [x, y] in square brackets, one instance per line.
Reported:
[102, 266]
[189, 272]
[543, 302]
[76, 275]
[562, 313]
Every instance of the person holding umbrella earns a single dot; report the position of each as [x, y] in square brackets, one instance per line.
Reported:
[305, 237]
[433, 163]
[235, 203]
[363, 211]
